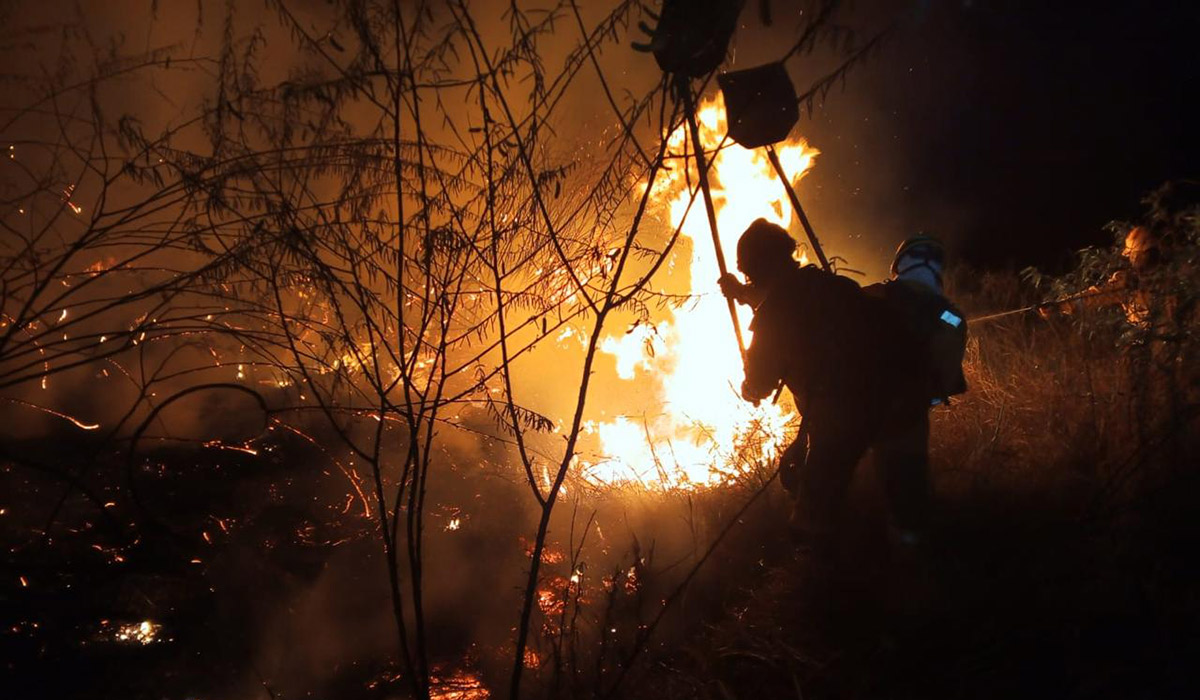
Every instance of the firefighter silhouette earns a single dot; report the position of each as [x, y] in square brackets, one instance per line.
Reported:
[915, 293]
[855, 368]
[1157, 264]
[1124, 288]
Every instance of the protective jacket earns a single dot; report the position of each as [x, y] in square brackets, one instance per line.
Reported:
[828, 341]
[937, 326]
[847, 358]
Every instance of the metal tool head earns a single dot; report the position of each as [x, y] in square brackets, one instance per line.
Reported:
[692, 36]
[760, 104]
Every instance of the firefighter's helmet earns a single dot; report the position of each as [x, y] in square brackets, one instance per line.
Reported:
[763, 247]
[922, 250]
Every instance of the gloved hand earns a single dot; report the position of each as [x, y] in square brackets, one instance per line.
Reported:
[746, 294]
[749, 395]
[732, 288]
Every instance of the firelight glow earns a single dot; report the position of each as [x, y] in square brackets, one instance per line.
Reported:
[705, 433]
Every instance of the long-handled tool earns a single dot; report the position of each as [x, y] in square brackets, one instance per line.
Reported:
[690, 41]
[689, 109]
[791, 191]
[761, 109]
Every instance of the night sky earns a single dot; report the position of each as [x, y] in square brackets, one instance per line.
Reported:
[1015, 129]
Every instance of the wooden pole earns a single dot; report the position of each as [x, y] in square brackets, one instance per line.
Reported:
[808, 229]
[689, 109]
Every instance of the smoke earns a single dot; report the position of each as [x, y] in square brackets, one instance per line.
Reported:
[297, 594]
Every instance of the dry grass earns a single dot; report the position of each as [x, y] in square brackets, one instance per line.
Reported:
[1060, 565]
[1061, 557]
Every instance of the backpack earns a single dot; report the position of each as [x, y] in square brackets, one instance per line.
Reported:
[940, 330]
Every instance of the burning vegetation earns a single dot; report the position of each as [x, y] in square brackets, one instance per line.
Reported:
[389, 361]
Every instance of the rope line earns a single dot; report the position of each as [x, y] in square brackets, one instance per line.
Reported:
[1039, 305]
[1011, 312]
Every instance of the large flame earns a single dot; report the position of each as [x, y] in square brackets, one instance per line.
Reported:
[705, 433]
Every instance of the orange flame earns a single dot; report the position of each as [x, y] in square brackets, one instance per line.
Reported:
[705, 433]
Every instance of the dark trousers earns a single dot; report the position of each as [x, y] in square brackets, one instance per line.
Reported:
[818, 467]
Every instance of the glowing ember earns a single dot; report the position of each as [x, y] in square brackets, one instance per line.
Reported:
[704, 433]
[218, 445]
[144, 632]
[78, 423]
[532, 659]
[549, 602]
[460, 685]
[66, 198]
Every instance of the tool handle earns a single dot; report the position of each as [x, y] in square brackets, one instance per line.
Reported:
[689, 109]
[808, 229]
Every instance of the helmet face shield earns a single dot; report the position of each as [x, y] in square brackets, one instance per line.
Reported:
[918, 251]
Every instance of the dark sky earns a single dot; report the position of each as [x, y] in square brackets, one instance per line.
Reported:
[1014, 128]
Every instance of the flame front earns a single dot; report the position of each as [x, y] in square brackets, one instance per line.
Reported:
[705, 433]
